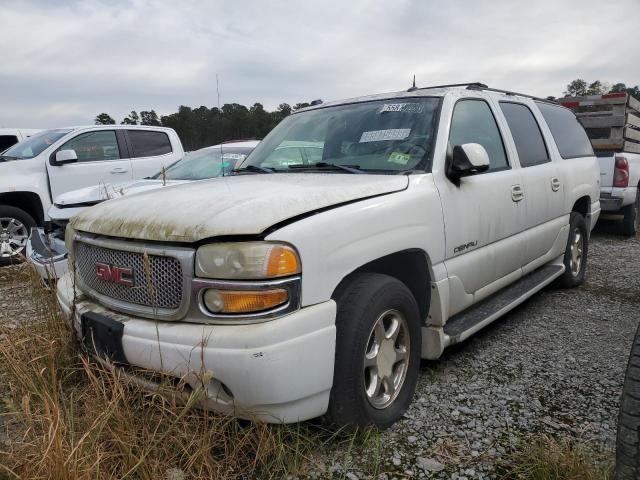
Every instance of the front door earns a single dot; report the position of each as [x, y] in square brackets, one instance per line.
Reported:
[101, 160]
[483, 213]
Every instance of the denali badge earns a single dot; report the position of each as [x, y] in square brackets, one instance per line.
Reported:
[111, 273]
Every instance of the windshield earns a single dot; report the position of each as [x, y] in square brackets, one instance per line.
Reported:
[34, 145]
[380, 136]
[206, 163]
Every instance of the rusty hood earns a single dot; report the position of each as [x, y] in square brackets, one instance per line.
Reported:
[236, 205]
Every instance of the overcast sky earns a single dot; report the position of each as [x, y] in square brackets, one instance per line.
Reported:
[62, 63]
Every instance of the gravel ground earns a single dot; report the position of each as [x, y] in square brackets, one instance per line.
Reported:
[554, 365]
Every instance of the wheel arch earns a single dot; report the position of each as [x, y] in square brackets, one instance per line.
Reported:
[411, 266]
[30, 202]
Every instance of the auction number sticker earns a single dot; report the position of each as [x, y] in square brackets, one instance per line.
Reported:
[384, 135]
[402, 107]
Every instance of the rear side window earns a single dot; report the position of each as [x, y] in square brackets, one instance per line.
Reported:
[526, 134]
[147, 143]
[6, 141]
[473, 122]
[570, 137]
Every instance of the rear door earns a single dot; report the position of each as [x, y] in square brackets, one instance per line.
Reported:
[543, 203]
[150, 151]
[102, 159]
[483, 249]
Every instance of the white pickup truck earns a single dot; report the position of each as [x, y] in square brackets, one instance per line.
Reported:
[612, 122]
[296, 289]
[52, 162]
[45, 248]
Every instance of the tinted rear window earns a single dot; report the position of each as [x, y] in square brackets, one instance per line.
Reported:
[526, 134]
[148, 143]
[570, 137]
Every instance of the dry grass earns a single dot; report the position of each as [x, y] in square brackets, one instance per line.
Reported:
[70, 418]
[551, 459]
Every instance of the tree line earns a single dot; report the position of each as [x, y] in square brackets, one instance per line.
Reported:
[202, 126]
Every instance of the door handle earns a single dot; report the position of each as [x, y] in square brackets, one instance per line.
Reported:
[119, 170]
[555, 184]
[517, 193]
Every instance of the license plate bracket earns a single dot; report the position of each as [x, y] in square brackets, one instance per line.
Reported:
[102, 337]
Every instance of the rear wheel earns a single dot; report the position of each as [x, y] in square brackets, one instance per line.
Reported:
[631, 219]
[575, 255]
[378, 343]
[15, 225]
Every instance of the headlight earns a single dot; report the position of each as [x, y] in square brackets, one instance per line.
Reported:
[246, 261]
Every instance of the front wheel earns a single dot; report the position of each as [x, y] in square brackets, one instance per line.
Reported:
[628, 438]
[378, 341]
[575, 255]
[15, 225]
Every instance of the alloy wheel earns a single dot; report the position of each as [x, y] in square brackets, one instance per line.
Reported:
[13, 237]
[386, 359]
[577, 248]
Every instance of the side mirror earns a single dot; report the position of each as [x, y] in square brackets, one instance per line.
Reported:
[64, 156]
[467, 159]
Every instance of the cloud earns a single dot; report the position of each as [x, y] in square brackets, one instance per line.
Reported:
[65, 62]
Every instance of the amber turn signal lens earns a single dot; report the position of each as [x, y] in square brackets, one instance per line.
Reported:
[282, 261]
[244, 301]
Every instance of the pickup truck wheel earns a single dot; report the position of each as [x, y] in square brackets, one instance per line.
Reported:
[628, 438]
[631, 219]
[378, 343]
[15, 225]
[575, 255]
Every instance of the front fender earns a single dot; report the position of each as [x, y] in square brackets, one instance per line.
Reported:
[334, 243]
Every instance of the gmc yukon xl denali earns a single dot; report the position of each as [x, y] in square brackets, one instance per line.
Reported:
[295, 289]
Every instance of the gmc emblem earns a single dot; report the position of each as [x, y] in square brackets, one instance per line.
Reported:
[111, 273]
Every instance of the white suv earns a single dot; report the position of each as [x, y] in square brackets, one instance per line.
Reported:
[315, 288]
[49, 163]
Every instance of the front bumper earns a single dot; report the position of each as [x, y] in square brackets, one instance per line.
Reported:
[47, 254]
[279, 371]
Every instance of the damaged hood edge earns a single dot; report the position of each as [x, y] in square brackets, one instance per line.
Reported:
[238, 205]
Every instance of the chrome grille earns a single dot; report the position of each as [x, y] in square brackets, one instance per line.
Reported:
[157, 286]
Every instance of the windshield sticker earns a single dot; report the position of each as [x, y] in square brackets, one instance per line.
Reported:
[402, 107]
[399, 158]
[382, 135]
[234, 156]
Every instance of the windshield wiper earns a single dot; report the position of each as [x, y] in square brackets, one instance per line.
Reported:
[254, 168]
[328, 166]
[4, 158]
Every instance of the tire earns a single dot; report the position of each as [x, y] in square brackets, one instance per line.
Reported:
[573, 277]
[631, 219]
[628, 438]
[14, 223]
[369, 305]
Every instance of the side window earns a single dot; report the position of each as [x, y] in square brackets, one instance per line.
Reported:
[7, 141]
[473, 122]
[94, 146]
[147, 143]
[568, 133]
[526, 134]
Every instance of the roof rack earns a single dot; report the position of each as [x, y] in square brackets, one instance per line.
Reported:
[468, 84]
[482, 86]
[508, 92]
